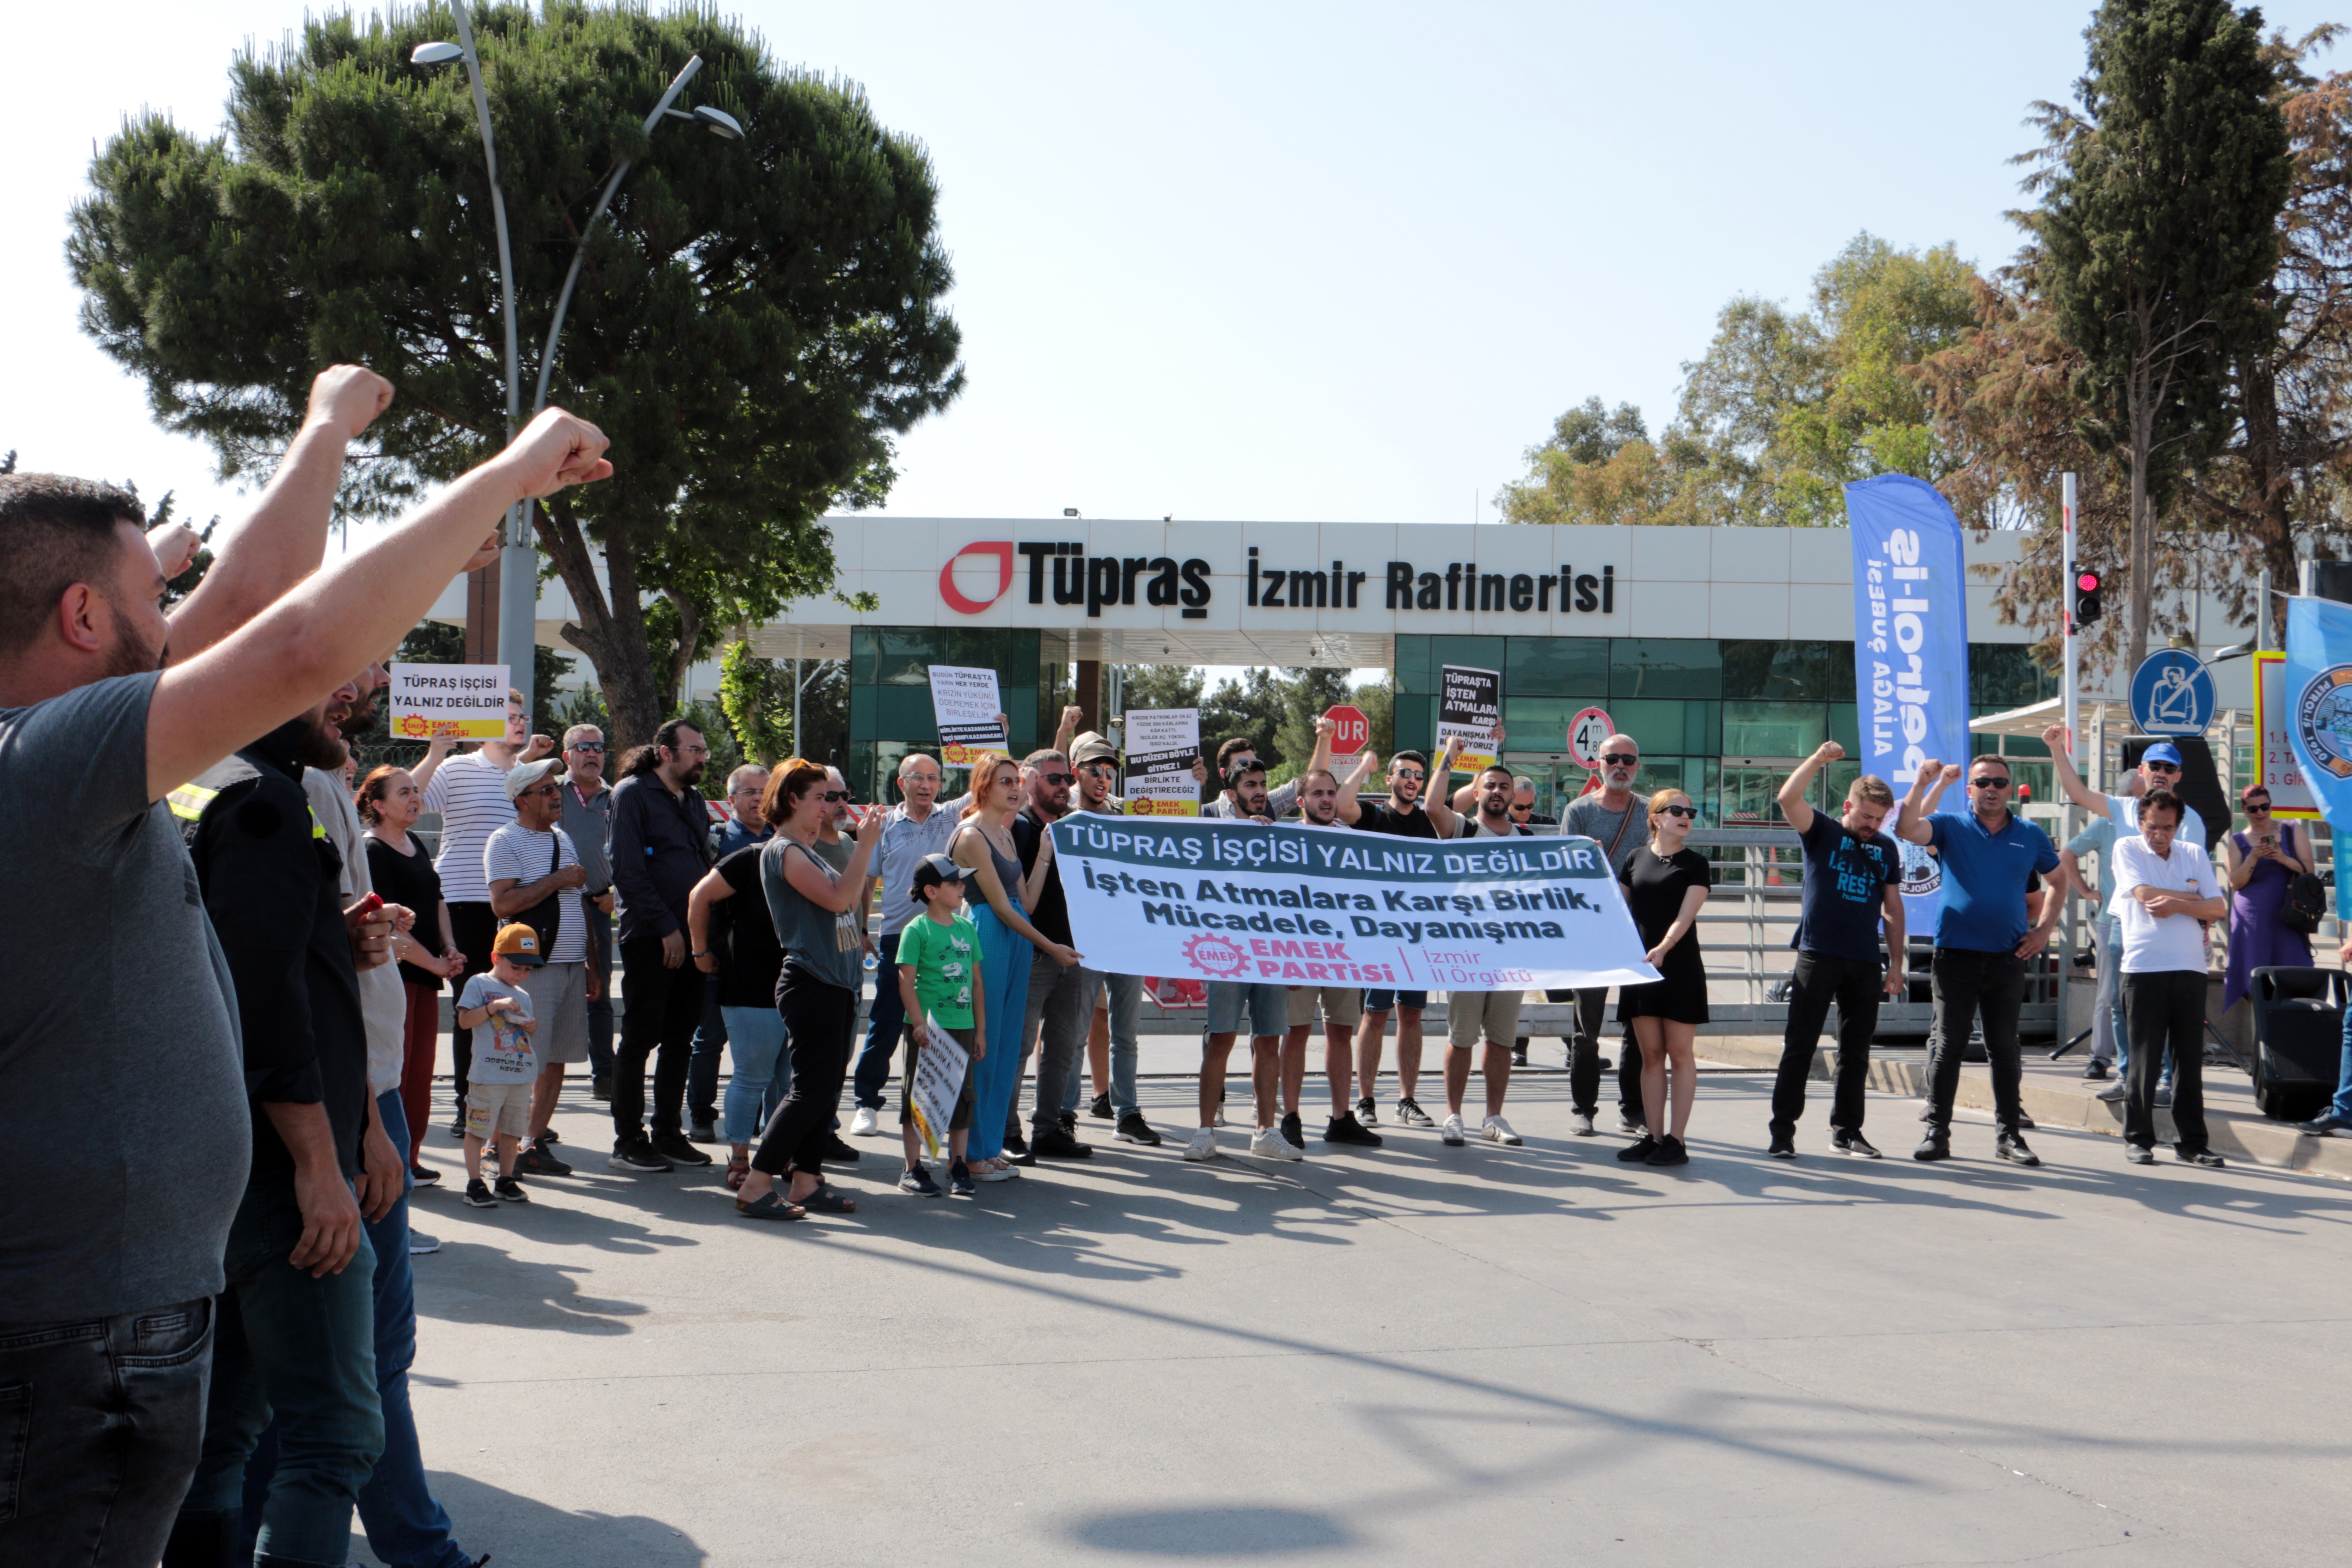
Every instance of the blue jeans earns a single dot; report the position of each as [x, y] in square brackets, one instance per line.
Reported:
[1265, 1010]
[1125, 992]
[599, 1011]
[304, 1349]
[702, 1073]
[2341, 1107]
[763, 1070]
[885, 1022]
[405, 1526]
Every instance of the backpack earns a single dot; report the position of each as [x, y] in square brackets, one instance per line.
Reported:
[2306, 904]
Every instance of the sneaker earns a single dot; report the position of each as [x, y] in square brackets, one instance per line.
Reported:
[704, 1131]
[866, 1123]
[917, 1180]
[1409, 1113]
[1099, 1108]
[637, 1156]
[1134, 1129]
[2164, 1094]
[550, 1137]
[1368, 1113]
[1630, 1126]
[2139, 1156]
[1852, 1144]
[1452, 1131]
[2013, 1149]
[1520, 1055]
[600, 1089]
[1292, 1133]
[1669, 1151]
[477, 1194]
[1495, 1130]
[2024, 1122]
[421, 1244]
[1269, 1143]
[675, 1148]
[1635, 1153]
[1053, 1144]
[424, 1176]
[2113, 1093]
[960, 1181]
[2205, 1157]
[537, 1162]
[510, 1191]
[836, 1152]
[2095, 1069]
[1345, 1129]
[1781, 1149]
[1014, 1144]
[2325, 1125]
[1204, 1145]
[1579, 1125]
[1935, 1146]
[457, 1128]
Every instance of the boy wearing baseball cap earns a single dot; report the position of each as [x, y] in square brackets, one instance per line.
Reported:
[939, 977]
[498, 1094]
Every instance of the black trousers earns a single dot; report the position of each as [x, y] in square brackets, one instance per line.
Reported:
[2165, 1011]
[1970, 985]
[476, 928]
[819, 1021]
[661, 1006]
[1855, 986]
[1584, 1060]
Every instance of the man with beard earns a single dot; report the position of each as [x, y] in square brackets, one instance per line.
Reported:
[1342, 1005]
[1405, 815]
[1061, 1000]
[661, 848]
[1264, 1008]
[1619, 823]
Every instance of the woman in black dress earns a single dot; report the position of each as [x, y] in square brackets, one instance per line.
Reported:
[1664, 885]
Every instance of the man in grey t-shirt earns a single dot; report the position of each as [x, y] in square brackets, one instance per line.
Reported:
[1616, 819]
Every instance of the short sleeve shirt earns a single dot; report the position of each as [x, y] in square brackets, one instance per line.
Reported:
[515, 851]
[470, 794]
[2099, 836]
[943, 957]
[1588, 818]
[1985, 878]
[501, 1050]
[749, 960]
[1845, 882]
[2154, 944]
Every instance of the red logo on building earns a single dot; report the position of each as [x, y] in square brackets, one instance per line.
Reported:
[957, 598]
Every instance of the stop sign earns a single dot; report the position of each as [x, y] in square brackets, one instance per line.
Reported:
[1350, 731]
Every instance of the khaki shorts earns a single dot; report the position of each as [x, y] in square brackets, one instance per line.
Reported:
[1342, 1003]
[559, 1000]
[1493, 1014]
[495, 1108]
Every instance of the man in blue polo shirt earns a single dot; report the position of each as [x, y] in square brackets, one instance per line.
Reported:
[1983, 941]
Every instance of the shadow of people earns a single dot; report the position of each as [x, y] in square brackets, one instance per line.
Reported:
[524, 1532]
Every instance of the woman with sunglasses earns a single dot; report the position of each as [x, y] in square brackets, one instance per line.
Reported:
[2260, 866]
[1665, 884]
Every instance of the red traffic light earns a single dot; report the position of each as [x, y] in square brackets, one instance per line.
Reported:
[2086, 582]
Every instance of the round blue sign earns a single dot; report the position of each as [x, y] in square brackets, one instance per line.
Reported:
[2172, 693]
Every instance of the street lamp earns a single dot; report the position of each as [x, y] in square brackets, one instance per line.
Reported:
[519, 559]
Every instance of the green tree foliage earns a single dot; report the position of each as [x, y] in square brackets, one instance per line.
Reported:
[1159, 686]
[758, 702]
[1308, 695]
[2160, 222]
[1251, 708]
[756, 322]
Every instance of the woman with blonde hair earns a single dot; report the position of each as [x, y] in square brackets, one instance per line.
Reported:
[1665, 883]
[984, 846]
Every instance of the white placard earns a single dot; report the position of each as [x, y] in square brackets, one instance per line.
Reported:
[940, 1068]
[1161, 745]
[467, 701]
[965, 704]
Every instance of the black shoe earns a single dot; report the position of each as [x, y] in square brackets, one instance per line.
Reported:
[1101, 1108]
[959, 1180]
[1133, 1129]
[1636, 1153]
[2095, 1069]
[551, 1138]
[1053, 1143]
[675, 1148]
[2024, 1122]
[916, 1182]
[1070, 1123]
[1852, 1144]
[510, 1191]
[1026, 1157]
[477, 1194]
[2139, 1156]
[2013, 1149]
[834, 1152]
[1669, 1151]
[600, 1089]
[704, 1129]
[1345, 1129]
[637, 1156]
[1292, 1131]
[1520, 1055]
[457, 1128]
[2205, 1157]
[1937, 1145]
[1015, 1144]
[1631, 1125]
[1368, 1113]
[537, 1160]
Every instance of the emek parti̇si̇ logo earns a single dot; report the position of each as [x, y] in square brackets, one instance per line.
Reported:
[2322, 717]
[1216, 957]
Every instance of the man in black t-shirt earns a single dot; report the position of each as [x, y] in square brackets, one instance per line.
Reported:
[1407, 815]
[1061, 1004]
[1854, 876]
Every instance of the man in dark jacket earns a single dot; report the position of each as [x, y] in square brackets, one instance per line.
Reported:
[661, 848]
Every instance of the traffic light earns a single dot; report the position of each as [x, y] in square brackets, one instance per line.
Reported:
[2085, 598]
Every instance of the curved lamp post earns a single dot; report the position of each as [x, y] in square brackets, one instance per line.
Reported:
[519, 559]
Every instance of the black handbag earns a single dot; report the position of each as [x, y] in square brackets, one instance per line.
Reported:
[2306, 904]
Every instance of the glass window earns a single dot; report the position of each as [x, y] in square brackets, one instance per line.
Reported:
[1840, 673]
[1664, 667]
[1416, 721]
[1755, 671]
[1773, 729]
[1540, 723]
[865, 645]
[1698, 777]
[1477, 653]
[1655, 726]
[1412, 672]
[900, 713]
[1555, 666]
[2005, 675]
[1845, 728]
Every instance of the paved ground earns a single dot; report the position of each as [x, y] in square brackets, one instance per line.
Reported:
[1529, 1354]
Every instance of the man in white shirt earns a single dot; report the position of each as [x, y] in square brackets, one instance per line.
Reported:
[2165, 887]
[2159, 768]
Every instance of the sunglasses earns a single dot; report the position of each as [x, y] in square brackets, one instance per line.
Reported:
[544, 789]
[832, 796]
[1679, 810]
[585, 746]
[1414, 773]
[2162, 767]
[1057, 778]
[1620, 758]
[1102, 768]
[1987, 782]
[2257, 808]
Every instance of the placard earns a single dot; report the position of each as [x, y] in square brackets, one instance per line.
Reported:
[1469, 704]
[467, 701]
[965, 704]
[1161, 745]
[940, 1067]
[2275, 767]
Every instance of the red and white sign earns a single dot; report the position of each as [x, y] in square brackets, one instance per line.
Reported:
[1350, 731]
[1586, 732]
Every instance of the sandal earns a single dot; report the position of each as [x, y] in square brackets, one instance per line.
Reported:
[825, 1200]
[770, 1205]
[739, 1170]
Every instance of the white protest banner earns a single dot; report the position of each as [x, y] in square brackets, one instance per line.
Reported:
[1303, 906]
[940, 1067]
[1469, 703]
[1161, 745]
[467, 701]
[965, 704]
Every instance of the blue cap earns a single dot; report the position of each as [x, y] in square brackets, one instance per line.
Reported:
[2162, 751]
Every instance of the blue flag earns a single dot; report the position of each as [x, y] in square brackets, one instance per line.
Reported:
[2318, 715]
[1910, 646]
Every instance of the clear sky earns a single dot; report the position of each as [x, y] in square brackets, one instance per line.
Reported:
[1267, 262]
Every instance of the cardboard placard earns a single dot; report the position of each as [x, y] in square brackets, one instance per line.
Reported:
[1469, 704]
[940, 1067]
[964, 704]
[467, 701]
[1161, 746]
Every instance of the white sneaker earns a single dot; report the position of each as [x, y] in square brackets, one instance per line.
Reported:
[1204, 1145]
[1451, 1130]
[1579, 1124]
[1495, 1130]
[1269, 1143]
[864, 1124]
[421, 1244]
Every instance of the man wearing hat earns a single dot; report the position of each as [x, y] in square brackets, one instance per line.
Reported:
[534, 876]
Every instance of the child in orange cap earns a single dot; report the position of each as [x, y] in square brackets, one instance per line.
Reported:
[498, 1091]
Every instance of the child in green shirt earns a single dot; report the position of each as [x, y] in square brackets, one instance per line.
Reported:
[939, 979]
